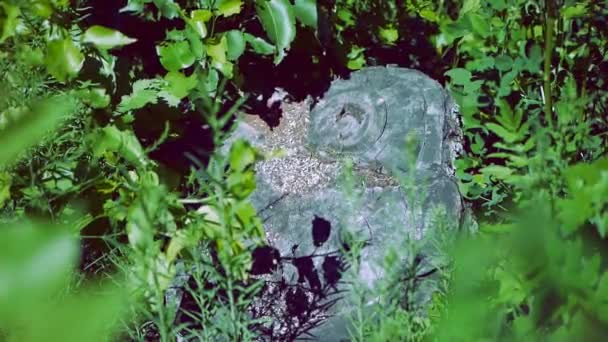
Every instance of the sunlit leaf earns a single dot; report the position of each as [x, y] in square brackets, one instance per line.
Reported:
[306, 12]
[242, 155]
[279, 22]
[389, 35]
[459, 76]
[179, 85]
[106, 38]
[175, 56]
[236, 44]
[229, 7]
[5, 187]
[259, 45]
[111, 139]
[64, 60]
[9, 15]
[35, 260]
[198, 20]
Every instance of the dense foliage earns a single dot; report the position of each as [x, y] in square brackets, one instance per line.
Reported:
[111, 184]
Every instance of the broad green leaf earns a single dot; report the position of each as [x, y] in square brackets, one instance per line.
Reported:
[574, 212]
[503, 62]
[106, 38]
[470, 6]
[35, 261]
[226, 68]
[242, 155]
[5, 187]
[241, 184]
[63, 60]
[9, 18]
[575, 11]
[236, 44]
[184, 238]
[481, 64]
[229, 7]
[196, 43]
[429, 15]
[347, 17]
[506, 83]
[35, 123]
[54, 320]
[175, 56]
[136, 6]
[306, 12]
[279, 22]
[111, 139]
[95, 97]
[167, 8]
[209, 82]
[41, 8]
[389, 35]
[217, 50]
[459, 76]
[479, 24]
[180, 85]
[198, 21]
[500, 172]
[259, 45]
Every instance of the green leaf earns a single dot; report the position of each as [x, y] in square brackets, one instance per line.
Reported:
[5, 187]
[63, 60]
[502, 132]
[479, 24]
[356, 58]
[167, 8]
[259, 45]
[198, 21]
[106, 38]
[144, 92]
[279, 22]
[236, 44]
[9, 15]
[500, 172]
[578, 10]
[241, 184]
[574, 212]
[389, 35]
[242, 155]
[175, 56]
[111, 139]
[28, 129]
[95, 97]
[503, 62]
[306, 12]
[470, 6]
[229, 7]
[196, 44]
[459, 76]
[180, 85]
[217, 50]
[34, 261]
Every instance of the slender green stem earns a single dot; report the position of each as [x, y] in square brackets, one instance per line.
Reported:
[549, 45]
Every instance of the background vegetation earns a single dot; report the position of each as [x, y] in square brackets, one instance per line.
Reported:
[110, 185]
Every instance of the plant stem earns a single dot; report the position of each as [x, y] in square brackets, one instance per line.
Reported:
[549, 45]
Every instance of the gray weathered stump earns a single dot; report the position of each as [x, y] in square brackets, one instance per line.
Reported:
[397, 127]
